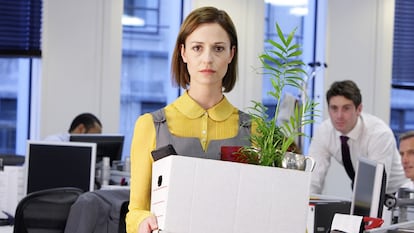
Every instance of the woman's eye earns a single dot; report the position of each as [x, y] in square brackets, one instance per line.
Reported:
[197, 48]
[219, 49]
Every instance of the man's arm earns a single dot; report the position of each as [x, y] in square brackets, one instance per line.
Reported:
[319, 151]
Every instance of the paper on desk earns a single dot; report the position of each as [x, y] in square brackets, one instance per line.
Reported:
[11, 189]
[346, 223]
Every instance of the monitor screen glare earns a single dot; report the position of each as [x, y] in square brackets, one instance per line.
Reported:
[369, 189]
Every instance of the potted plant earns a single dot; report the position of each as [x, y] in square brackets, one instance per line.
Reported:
[272, 138]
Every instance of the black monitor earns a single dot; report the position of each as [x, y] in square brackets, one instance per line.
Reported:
[60, 164]
[369, 189]
[108, 145]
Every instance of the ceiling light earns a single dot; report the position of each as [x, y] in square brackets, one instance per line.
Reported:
[132, 21]
[288, 2]
[298, 11]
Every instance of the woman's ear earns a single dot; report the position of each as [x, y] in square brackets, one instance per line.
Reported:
[232, 52]
[182, 49]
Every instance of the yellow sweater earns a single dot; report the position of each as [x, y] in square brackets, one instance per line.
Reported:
[185, 118]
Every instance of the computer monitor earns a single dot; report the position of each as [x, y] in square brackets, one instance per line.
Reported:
[60, 164]
[108, 145]
[369, 189]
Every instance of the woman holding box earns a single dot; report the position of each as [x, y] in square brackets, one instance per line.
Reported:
[198, 122]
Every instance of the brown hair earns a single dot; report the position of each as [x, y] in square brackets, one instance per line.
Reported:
[347, 89]
[406, 135]
[180, 75]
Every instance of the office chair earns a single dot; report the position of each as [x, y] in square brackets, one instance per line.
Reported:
[100, 211]
[45, 211]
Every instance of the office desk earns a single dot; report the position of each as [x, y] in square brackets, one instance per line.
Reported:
[11, 188]
[407, 226]
[120, 177]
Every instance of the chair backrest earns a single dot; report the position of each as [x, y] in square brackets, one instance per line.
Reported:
[100, 211]
[45, 210]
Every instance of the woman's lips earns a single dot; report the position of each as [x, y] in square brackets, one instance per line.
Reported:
[207, 71]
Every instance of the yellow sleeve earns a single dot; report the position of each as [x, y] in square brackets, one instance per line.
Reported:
[143, 142]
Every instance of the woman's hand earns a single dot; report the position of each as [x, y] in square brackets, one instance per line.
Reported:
[148, 225]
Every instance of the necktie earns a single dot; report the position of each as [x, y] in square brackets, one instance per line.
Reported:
[346, 158]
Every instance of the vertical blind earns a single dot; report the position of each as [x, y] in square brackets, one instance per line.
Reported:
[20, 28]
[403, 52]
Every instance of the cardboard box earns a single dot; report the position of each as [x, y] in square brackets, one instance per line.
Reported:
[192, 195]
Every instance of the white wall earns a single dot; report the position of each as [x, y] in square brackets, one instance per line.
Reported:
[359, 47]
[81, 45]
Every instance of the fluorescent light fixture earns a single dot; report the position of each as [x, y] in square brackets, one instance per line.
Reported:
[298, 11]
[287, 2]
[132, 21]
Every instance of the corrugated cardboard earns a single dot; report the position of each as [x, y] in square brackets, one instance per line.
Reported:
[192, 195]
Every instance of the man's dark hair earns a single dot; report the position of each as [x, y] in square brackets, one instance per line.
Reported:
[406, 135]
[347, 89]
[87, 119]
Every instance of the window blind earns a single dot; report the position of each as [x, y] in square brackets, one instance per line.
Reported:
[20, 28]
[403, 52]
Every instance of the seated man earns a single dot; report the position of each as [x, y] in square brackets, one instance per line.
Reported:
[81, 124]
[406, 148]
[407, 157]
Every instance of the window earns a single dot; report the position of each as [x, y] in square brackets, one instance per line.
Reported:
[278, 14]
[145, 82]
[14, 102]
[402, 103]
[141, 17]
[20, 42]
[290, 15]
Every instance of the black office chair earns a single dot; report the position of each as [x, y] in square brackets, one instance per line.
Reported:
[45, 211]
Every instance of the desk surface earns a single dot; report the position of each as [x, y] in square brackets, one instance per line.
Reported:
[403, 225]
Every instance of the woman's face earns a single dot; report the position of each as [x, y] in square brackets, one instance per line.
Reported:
[207, 53]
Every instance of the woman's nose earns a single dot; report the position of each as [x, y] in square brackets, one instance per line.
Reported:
[207, 56]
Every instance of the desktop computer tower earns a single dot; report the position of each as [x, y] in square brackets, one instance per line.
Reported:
[321, 213]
